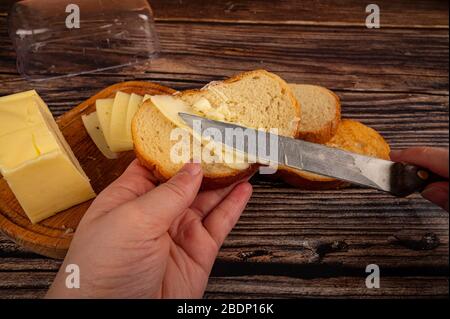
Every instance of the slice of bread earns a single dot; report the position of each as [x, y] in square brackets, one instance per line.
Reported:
[321, 112]
[352, 136]
[257, 99]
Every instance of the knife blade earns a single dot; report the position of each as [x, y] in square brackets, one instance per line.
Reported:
[396, 178]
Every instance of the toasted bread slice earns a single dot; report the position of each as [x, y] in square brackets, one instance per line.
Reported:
[352, 136]
[257, 99]
[321, 112]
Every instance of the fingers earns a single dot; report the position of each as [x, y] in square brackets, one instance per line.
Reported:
[169, 200]
[435, 159]
[222, 219]
[437, 193]
[206, 201]
[134, 182]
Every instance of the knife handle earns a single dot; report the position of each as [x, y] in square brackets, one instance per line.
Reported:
[407, 179]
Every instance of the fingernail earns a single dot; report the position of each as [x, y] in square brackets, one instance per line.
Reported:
[192, 169]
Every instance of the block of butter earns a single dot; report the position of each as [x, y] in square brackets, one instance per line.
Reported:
[35, 159]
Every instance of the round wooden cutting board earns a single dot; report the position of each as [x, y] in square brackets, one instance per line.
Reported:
[52, 236]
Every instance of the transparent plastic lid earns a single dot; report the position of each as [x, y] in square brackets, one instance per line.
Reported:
[59, 38]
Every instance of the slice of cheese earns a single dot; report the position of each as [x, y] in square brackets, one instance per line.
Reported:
[170, 106]
[35, 159]
[104, 112]
[118, 129]
[133, 106]
[93, 127]
[115, 117]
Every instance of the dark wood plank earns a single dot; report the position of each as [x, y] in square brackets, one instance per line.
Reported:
[351, 287]
[15, 293]
[394, 13]
[29, 264]
[26, 280]
[34, 285]
[385, 60]
[349, 229]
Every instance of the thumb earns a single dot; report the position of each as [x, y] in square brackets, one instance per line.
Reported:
[167, 201]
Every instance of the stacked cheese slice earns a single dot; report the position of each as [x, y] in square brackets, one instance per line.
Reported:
[36, 160]
[113, 118]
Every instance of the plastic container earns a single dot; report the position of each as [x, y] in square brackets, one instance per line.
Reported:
[57, 38]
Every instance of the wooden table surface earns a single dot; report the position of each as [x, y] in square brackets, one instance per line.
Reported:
[292, 243]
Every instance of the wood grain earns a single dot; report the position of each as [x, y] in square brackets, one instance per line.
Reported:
[394, 13]
[356, 59]
[291, 243]
[35, 285]
[52, 236]
[350, 287]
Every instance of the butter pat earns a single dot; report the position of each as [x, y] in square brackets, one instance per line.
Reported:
[204, 108]
[35, 159]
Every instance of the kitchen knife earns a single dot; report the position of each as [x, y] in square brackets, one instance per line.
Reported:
[399, 179]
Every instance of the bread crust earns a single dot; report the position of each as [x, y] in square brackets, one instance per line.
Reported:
[208, 183]
[326, 133]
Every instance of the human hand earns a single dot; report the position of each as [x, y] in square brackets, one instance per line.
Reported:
[434, 159]
[141, 241]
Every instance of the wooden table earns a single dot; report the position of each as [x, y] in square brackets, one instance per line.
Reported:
[292, 243]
